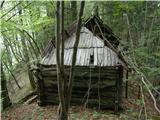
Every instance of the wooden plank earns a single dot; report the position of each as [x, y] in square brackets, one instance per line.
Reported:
[53, 59]
[66, 59]
[83, 57]
[70, 57]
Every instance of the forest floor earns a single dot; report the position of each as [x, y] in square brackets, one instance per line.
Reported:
[131, 106]
[34, 112]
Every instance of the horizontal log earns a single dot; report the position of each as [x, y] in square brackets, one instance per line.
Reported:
[52, 83]
[76, 94]
[82, 76]
[90, 103]
[80, 67]
[83, 100]
[76, 90]
[84, 87]
[84, 70]
[85, 78]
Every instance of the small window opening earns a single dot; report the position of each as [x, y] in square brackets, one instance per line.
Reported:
[91, 59]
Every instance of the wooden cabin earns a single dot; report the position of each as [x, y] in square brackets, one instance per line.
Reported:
[98, 71]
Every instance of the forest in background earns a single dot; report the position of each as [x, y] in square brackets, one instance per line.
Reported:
[28, 26]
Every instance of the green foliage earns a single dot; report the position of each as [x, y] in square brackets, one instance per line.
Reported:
[35, 21]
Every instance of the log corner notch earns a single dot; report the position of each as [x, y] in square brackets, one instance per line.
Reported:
[118, 95]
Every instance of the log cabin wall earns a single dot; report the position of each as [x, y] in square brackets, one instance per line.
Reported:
[94, 86]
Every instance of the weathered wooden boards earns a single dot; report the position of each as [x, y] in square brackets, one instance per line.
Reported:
[89, 44]
[93, 86]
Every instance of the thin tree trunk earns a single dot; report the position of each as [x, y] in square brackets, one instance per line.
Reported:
[62, 50]
[12, 75]
[4, 92]
[35, 43]
[26, 55]
[62, 115]
[71, 77]
[33, 48]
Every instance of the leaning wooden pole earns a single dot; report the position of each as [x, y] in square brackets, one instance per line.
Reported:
[71, 77]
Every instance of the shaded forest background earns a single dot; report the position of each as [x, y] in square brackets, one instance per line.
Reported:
[28, 26]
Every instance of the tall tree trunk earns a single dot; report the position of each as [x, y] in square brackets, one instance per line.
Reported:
[62, 115]
[4, 92]
[64, 97]
[62, 49]
[26, 55]
[71, 77]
